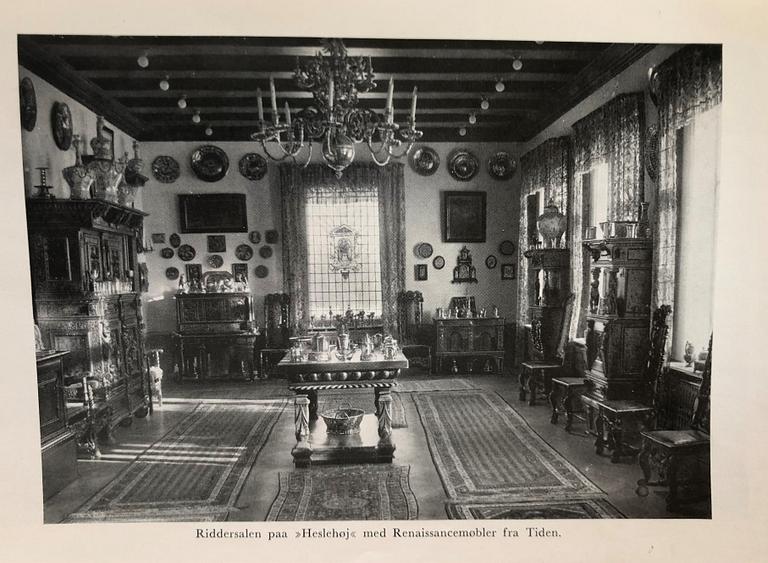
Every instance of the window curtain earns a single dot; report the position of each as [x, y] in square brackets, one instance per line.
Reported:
[690, 82]
[611, 134]
[546, 167]
[296, 184]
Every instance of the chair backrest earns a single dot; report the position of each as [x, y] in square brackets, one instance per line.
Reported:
[701, 405]
[562, 338]
[409, 315]
[654, 363]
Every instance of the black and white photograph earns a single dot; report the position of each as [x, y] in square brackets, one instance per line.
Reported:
[344, 383]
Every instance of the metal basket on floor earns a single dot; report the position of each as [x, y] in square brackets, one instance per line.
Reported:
[343, 420]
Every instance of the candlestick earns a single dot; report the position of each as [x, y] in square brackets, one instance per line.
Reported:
[390, 96]
[260, 105]
[413, 106]
[331, 93]
[287, 115]
[273, 98]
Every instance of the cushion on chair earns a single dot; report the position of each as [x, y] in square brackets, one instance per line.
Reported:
[569, 381]
[677, 438]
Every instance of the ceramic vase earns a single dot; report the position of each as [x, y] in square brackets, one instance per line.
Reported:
[77, 176]
[551, 225]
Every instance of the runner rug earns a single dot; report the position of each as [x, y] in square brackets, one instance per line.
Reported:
[361, 399]
[195, 472]
[483, 449]
[346, 492]
[536, 510]
[424, 385]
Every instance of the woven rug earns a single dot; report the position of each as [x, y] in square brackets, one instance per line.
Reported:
[195, 472]
[362, 399]
[482, 447]
[346, 492]
[419, 386]
[536, 510]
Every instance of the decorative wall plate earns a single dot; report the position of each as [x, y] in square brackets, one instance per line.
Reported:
[254, 237]
[28, 100]
[654, 85]
[438, 263]
[265, 251]
[210, 163]
[261, 271]
[166, 253]
[61, 125]
[244, 252]
[186, 252]
[271, 236]
[501, 166]
[253, 166]
[172, 273]
[424, 250]
[491, 262]
[174, 240]
[165, 169]
[463, 165]
[652, 155]
[507, 247]
[424, 160]
[215, 261]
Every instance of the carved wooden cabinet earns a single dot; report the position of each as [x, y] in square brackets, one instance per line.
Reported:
[214, 336]
[86, 300]
[548, 288]
[618, 318]
[469, 345]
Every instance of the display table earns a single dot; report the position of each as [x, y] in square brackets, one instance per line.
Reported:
[313, 444]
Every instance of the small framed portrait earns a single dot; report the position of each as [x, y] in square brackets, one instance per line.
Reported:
[217, 243]
[240, 270]
[507, 271]
[194, 272]
[420, 272]
[158, 238]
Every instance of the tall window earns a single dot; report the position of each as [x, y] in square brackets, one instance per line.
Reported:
[343, 252]
[596, 184]
[698, 157]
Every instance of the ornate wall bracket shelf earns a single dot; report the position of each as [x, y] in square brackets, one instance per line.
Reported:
[83, 213]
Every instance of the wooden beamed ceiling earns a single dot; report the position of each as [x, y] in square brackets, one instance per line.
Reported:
[219, 77]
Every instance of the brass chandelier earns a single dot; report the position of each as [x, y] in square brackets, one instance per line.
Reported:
[333, 117]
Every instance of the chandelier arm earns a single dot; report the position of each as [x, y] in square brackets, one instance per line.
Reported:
[278, 158]
[406, 150]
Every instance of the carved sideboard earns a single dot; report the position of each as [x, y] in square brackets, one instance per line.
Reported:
[83, 258]
[469, 345]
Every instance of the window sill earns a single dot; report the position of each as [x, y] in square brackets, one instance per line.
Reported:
[684, 372]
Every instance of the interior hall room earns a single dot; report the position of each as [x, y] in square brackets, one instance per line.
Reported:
[321, 279]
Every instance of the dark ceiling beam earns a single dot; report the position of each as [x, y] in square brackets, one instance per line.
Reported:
[300, 94]
[245, 110]
[64, 77]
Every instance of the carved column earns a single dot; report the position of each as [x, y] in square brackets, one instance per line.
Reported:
[303, 449]
[384, 413]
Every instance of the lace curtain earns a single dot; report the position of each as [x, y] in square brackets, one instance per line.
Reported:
[690, 82]
[545, 167]
[298, 185]
[611, 134]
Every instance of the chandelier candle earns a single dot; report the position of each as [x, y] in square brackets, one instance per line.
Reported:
[288, 116]
[260, 106]
[273, 97]
[413, 106]
[330, 96]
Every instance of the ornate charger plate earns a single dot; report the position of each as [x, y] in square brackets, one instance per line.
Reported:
[28, 100]
[265, 251]
[244, 252]
[253, 166]
[210, 163]
[175, 240]
[424, 160]
[172, 273]
[215, 261]
[507, 247]
[61, 125]
[254, 237]
[501, 166]
[186, 252]
[261, 271]
[438, 263]
[166, 253]
[652, 156]
[165, 169]
[424, 250]
[463, 165]
[491, 262]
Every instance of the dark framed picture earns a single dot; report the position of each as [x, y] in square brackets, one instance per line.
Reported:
[420, 272]
[213, 213]
[464, 216]
[238, 269]
[194, 272]
[158, 238]
[507, 271]
[217, 243]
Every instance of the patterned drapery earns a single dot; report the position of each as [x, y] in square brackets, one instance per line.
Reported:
[690, 82]
[611, 134]
[298, 185]
[545, 167]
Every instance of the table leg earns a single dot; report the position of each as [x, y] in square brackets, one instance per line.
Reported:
[599, 428]
[532, 384]
[302, 451]
[386, 446]
[523, 380]
[644, 459]
[554, 397]
[312, 396]
[672, 482]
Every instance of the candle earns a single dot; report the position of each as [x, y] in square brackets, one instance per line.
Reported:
[390, 96]
[413, 105]
[260, 105]
[273, 98]
[287, 114]
[331, 93]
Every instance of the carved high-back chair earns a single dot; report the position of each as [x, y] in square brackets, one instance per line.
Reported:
[669, 451]
[537, 372]
[409, 315]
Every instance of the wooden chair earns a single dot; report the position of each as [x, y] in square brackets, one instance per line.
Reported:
[619, 420]
[672, 451]
[410, 314]
[537, 372]
[566, 392]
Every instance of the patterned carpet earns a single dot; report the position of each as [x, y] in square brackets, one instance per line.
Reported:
[348, 492]
[425, 385]
[483, 449]
[361, 399]
[536, 510]
[195, 472]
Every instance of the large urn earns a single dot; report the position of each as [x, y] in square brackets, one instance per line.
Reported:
[77, 176]
[551, 225]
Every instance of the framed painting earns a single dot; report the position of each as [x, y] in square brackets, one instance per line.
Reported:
[217, 243]
[507, 271]
[464, 216]
[420, 272]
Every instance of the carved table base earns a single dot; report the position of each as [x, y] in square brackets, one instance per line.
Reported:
[618, 424]
[565, 397]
